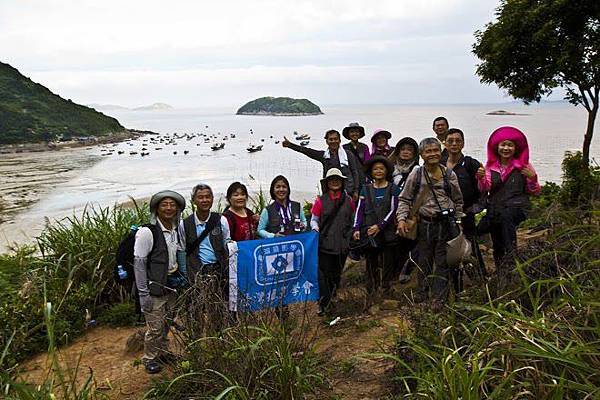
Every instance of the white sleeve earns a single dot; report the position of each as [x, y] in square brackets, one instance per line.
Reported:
[143, 243]
[225, 229]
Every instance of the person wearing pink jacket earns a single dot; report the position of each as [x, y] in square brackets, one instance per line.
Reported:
[508, 179]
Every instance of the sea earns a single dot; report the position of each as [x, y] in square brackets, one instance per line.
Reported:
[37, 188]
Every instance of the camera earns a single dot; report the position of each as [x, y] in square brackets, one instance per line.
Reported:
[447, 213]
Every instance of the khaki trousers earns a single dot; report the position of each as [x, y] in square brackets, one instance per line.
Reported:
[158, 322]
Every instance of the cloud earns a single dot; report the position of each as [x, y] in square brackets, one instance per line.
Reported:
[91, 50]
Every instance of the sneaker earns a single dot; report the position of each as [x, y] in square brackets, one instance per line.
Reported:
[152, 367]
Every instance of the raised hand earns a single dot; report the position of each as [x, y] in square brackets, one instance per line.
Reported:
[481, 171]
[285, 142]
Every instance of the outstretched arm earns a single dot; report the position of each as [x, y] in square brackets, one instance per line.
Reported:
[316, 155]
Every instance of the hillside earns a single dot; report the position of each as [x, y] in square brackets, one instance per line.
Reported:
[29, 112]
[279, 106]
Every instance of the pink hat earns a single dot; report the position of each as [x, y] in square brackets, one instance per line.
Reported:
[501, 134]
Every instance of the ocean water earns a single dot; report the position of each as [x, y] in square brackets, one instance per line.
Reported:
[54, 185]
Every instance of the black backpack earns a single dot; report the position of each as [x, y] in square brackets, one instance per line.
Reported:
[124, 257]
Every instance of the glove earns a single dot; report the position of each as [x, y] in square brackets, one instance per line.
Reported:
[146, 303]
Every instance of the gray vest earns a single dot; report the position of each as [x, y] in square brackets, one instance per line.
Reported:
[508, 194]
[158, 264]
[335, 237]
[275, 222]
[193, 263]
[374, 213]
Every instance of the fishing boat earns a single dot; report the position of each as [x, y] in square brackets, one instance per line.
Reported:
[304, 136]
[218, 146]
[253, 148]
[304, 142]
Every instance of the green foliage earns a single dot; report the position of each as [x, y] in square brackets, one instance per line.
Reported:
[536, 46]
[119, 314]
[241, 356]
[29, 112]
[60, 380]
[74, 274]
[539, 340]
[581, 183]
[259, 201]
[279, 105]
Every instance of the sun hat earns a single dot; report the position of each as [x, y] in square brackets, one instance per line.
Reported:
[383, 132]
[389, 167]
[160, 196]
[353, 125]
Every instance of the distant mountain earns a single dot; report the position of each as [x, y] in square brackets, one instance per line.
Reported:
[279, 106]
[107, 107]
[154, 107]
[29, 112]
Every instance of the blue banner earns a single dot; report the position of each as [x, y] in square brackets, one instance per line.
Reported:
[273, 272]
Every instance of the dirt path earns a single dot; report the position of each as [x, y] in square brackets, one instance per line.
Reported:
[343, 345]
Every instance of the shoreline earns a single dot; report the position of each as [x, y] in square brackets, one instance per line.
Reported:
[268, 114]
[38, 147]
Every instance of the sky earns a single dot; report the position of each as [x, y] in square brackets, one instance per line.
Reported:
[200, 53]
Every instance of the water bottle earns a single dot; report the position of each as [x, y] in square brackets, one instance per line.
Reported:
[122, 273]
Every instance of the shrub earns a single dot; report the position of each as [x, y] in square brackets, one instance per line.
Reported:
[539, 340]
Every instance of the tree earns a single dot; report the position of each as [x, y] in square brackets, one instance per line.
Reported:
[536, 46]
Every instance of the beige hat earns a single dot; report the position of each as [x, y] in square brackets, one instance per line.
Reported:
[331, 172]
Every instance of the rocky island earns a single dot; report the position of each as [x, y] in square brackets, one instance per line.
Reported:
[280, 106]
[30, 113]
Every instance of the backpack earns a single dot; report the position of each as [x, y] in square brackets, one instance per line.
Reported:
[123, 270]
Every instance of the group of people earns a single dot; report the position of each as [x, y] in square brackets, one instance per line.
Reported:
[371, 198]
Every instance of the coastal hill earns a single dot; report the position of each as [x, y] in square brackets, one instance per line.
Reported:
[29, 112]
[114, 107]
[283, 106]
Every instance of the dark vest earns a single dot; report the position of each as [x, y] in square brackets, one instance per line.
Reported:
[275, 222]
[335, 237]
[216, 240]
[334, 162]
[158, 263]
[510, 193]
[359, 151]
[374, 213]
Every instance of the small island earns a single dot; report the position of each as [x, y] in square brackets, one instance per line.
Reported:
[280, 106]
[503, 112]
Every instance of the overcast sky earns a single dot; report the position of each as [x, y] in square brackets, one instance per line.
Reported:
[199, 53]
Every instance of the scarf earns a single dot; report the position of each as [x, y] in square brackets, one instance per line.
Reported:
[342, 156]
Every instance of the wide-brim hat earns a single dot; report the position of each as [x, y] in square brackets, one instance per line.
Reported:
[383, 132]
[353, 125]
[332, 173]
[164, 194]
[380, 159]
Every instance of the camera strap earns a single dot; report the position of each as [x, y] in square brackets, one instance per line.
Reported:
[430, 184]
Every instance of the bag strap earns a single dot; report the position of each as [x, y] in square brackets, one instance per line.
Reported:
[212, 222]
[430, 184]
[331, 217]
[420, 197]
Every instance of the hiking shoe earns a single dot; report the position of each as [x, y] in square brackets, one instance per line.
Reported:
[321, 311]
[152, 367]
[404, 278]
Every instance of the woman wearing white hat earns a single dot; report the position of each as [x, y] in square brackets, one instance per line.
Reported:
[332, 217]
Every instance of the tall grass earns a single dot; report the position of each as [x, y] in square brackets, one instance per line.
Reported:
[60, 380]
[541, 340]
[239, 356]
[76, 271]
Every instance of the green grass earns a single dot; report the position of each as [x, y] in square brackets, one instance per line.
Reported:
[539, 340]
